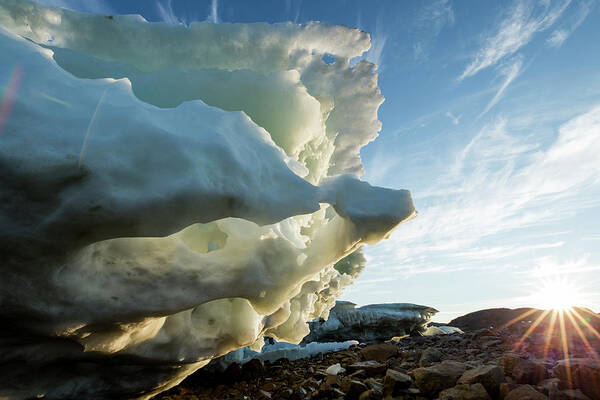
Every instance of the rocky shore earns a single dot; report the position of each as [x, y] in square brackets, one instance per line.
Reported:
[478, 365]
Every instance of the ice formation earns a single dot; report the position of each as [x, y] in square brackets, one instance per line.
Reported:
[273, 352]
[371, 323]
[173, 193]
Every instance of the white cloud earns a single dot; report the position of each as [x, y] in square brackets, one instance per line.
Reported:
[213, 15]
[510, 73]
[455, 120]
[525, 19]
[501, 183]
[432, 19]
[166, 12]
[90, 6]
[559, 36]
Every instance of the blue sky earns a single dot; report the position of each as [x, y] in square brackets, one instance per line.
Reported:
[491, 119]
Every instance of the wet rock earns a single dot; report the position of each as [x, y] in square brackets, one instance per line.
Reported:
[379, 352]
[490, 376]
[465, 392]
[434, 379]
[525, 392]
[505, 388]
[429, 356]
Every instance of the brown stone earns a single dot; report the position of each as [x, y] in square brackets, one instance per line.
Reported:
[429, 356]
[530, 371]
[354, 389]
[490, 376]
[567, 394]
[525, 392]
[582, 373]
[465, 392]
[379, 352]
[434, 379]
[371, 368]
[395, 381]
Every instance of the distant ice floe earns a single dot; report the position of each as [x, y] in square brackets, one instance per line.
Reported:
[371, 323]
[173, 193]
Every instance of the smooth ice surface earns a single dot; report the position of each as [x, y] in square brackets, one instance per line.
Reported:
[171, 194]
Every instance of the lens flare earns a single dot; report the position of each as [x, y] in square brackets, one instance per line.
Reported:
[9, 94]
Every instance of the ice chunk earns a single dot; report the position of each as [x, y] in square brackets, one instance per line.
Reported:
[375, 322]
[174, 193]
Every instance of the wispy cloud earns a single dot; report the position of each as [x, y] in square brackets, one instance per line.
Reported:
[524, 20]
[378, 40]
[510, 72]
[431, 20]
[501, 183]
[558, 37]
[166, 12]
[213, 15]
[455, 120]
[293, 8]
[91, 6]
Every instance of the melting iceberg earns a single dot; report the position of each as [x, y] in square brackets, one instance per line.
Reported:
[173, 193]
[371, 323]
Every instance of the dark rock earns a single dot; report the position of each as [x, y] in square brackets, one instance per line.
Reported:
[434, 379]
[525, 392]
[567, 394]
[582, 373]
[490, 376]
[379, 352]
[465, 392]
[395, 381]
[354, 389]
[429, 356]
[371, 368]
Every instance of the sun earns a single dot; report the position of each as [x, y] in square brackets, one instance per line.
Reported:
[557, 294]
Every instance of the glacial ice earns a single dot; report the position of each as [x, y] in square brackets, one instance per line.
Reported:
[370, 323]
[173, 193]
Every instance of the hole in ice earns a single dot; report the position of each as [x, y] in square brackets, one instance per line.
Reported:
[204, 238]
[328, 58]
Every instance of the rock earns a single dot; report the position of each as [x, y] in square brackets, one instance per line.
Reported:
[465, 392]
[371, 368]
[530, 371]
[354, 389]
[379, 352]
[523, 370]
[429, 356]
[584, 374]
[335, 369]
[567, 394]
[490, 376]
[505, 388]
[367, 395]
[434, 379]
[525, 392]
[253, 368]
[509, 361]
[395, 381]
[265, 395]
[547, 385]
